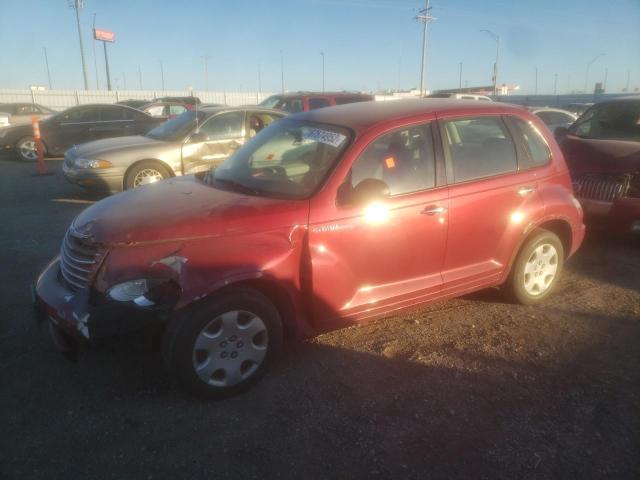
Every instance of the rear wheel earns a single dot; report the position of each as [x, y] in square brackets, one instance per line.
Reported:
[223, 345]
[537, 267]
[27, 149]
[144, 173]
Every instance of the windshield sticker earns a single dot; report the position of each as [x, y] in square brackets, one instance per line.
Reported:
[323, 136]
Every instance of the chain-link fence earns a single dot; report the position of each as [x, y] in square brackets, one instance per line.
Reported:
[61, 99]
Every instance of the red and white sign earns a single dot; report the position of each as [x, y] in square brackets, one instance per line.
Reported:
[104, 35]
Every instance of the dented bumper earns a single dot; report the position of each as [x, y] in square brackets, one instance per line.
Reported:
[74, 318]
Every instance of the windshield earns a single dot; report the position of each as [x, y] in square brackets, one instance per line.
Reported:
[177, 128]
[609, 121]
[270, 102]
[289, 159]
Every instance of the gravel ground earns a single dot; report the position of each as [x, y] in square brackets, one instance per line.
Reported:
[470, 388]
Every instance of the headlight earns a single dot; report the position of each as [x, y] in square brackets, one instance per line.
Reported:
[145, 292]
[90, 163]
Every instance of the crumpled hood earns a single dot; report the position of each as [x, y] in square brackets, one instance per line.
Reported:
[184, 208]
[108, 145]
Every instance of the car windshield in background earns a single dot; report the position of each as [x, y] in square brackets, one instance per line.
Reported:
[609, 121]
[270, 102]
[289, 159]
[177, 128]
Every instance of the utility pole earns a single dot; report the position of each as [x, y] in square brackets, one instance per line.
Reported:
[46, 62]
[628, 80]
[425, 18]
[586, 76]
[259, 80]
[555, 83]
[496, 38]
[162, 75]
[604, 84]
[399, 73]
[140, 77]
[95, 59]
[460, 78]
[536, 90]
[282, 71]
[106, 63]
[322, 53]
[205, 59]
[124, 80]
[77, 5]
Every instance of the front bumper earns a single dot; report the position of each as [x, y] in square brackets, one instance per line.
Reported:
[73, 315]
[107, 180]
[621, 215]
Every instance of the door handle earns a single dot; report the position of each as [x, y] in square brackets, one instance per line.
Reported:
[525, 190]
[433, 210]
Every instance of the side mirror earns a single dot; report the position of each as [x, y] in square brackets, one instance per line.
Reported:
[197, 137]
[367, 191]
[560, 132]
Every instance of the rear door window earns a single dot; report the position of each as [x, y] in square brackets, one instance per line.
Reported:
[112, 114]
[477, 147]
[291, 105]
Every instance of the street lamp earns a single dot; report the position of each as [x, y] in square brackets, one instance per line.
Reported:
[322, 53]
[205, 59]
[586, 75]
[496, 38]
[77, 5]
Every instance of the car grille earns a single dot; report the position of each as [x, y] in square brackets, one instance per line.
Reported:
[77, 259]
[602, 188]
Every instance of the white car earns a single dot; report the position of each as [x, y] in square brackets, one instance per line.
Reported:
[461, 96]
[554, 117]
[21, 113]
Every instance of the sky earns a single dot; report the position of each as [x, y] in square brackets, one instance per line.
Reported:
[367, 44]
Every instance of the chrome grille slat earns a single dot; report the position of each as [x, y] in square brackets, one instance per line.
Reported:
[601, 188]
[77, 259]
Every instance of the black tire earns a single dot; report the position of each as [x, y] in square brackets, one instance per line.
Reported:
[22, 149]
[140, 167]
[515, 285]
[179, 340]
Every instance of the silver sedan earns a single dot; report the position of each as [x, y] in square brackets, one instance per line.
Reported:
[192, 142]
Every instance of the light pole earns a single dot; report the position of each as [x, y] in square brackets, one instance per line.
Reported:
[140, 77]
[77, 5]
[162, 75]
[460, 79]
[322, 53]
[282, 71]
[496, 38]
[536, 88]
[46, 61]
[425, 18]
[586, 75]
[205, 59]
[95, 59]
[555, 83]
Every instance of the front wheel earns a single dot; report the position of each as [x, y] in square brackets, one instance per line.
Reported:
[144, 173]
[223, 345]
[27, 149]
[537, 267]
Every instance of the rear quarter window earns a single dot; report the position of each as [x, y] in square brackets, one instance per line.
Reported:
[536, 150]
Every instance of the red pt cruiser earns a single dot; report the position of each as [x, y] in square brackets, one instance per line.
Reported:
[324, 218]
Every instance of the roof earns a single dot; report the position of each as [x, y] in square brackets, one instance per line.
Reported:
[322, 94]
[253, 108]
[362, 115]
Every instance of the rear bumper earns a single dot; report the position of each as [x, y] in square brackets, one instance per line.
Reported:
[622, 215]
[74, 318]
[94, 179]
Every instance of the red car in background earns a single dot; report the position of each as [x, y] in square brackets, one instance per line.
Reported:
[602, 150]
[322, 219]
[304, 101]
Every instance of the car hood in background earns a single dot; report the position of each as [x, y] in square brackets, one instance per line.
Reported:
[585, 155]
[100, 147]
[181, 209]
